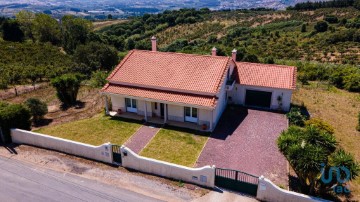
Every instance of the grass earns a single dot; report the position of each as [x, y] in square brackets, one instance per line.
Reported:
[340, 109]
[176, 146]
[95, 131]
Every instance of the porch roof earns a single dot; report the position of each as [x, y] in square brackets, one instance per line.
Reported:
[158, 95]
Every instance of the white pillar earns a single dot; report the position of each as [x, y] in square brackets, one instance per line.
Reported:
[146, 118]
[165, 113]
[211, 121]
[106, 105]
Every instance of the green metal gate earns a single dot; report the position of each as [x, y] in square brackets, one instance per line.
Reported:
[236, 180]
[116, 153]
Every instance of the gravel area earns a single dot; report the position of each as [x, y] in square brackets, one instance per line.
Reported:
[245, 140]
[142, 137]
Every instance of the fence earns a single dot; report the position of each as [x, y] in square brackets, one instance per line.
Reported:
[100, 153]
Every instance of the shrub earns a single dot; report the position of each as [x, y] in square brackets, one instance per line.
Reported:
[37, 108]
[98, 79]
[320, 124]
[321, 26]
[13, 116]
[296, 117]
[67, 87]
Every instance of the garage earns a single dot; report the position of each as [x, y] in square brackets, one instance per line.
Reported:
[258, 98]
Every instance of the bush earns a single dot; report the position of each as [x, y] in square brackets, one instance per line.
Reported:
[296, 117]
[98, 79]
[322, 125]
[13, 116]
[321, 26]
[37, 108]
[67, 87]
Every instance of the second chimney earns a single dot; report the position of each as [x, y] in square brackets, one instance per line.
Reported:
[153, 43]
[213, 51]
[233, 54]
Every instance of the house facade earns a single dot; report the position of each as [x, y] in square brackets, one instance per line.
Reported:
[194, 89]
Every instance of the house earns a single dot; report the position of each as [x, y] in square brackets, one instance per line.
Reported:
[194, 89]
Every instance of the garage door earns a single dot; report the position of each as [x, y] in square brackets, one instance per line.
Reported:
[258, 98]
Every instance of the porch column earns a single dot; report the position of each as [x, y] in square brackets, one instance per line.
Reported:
[165, 113]
[146, 118]
[106, 105]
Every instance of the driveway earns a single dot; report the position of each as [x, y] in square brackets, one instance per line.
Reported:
[245, 140]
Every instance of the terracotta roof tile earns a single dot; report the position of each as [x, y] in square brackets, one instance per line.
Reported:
[167, 96]
[266, 75]
[171, 71]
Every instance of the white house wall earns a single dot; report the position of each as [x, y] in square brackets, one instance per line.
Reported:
[141, 107]
[239, 92]
[117, 103]
[221, 104]
[176, 113]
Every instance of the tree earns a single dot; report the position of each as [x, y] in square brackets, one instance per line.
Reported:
[303, 28]
[98, 79]
[75, 31]
[13, 116]
[26, 19]
[250, 58]
[109, 17]
[37, 108]
[321, 26]
[67, 87]
[46, 28]
[95, 56]
[12, 32]
[311, 152]
[357, 4]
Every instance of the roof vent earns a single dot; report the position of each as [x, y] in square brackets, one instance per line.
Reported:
[213, 51]
[153, 43]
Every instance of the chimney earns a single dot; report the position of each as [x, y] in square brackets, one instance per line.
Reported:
[153, 43]
[213, 51]
[233, 54]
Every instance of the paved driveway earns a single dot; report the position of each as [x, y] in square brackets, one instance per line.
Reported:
[245, 140]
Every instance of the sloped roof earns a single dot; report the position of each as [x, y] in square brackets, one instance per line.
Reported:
[266, 75]
[167, 96]
[171, 71]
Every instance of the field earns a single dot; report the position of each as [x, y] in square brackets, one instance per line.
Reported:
[339, 108]
[101, 24]
[95, 131]
[176, 146]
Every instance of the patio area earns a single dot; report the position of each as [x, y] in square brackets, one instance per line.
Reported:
[156, 120]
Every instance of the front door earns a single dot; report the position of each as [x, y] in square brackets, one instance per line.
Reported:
[191, 114]
[162, 110]
[131, 105]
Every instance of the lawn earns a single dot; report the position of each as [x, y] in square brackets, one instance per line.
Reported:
[177, 146]
[95, 131]
[340, 109]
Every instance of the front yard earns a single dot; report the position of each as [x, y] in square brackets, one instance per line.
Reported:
[176, 145]
[95, 131]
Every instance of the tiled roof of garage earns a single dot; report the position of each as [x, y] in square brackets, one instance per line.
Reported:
[171, 71]
[167, 96]
[266, 75]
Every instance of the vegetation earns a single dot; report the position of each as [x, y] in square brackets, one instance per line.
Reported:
[95, 131]
[98, 79]
[176, 146]
[67, 87]
[13, 116]
[320, 124]
[310, 149]
[37, 108]
[358, 126]
[339, 108]
[296, 117]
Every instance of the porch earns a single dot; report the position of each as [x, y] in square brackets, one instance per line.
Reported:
[156, 120]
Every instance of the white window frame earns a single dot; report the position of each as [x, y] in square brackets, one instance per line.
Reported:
[133, 105]
[191, 118]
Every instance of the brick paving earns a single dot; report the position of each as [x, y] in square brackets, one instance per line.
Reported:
[140, 139]
[245, 140]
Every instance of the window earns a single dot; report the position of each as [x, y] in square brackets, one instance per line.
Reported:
[191, 114]
[130, 105]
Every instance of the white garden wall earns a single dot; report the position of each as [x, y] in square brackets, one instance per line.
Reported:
[100, 153]
[268, 191]
[204, 176]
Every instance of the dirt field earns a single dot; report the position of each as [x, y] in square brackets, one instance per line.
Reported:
[90, 104]
[101, 24]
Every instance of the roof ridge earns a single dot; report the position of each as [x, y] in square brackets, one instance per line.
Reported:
[263, 64]
[188, 54]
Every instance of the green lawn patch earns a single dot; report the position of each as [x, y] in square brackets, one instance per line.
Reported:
[176, 145]
[95, 131]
